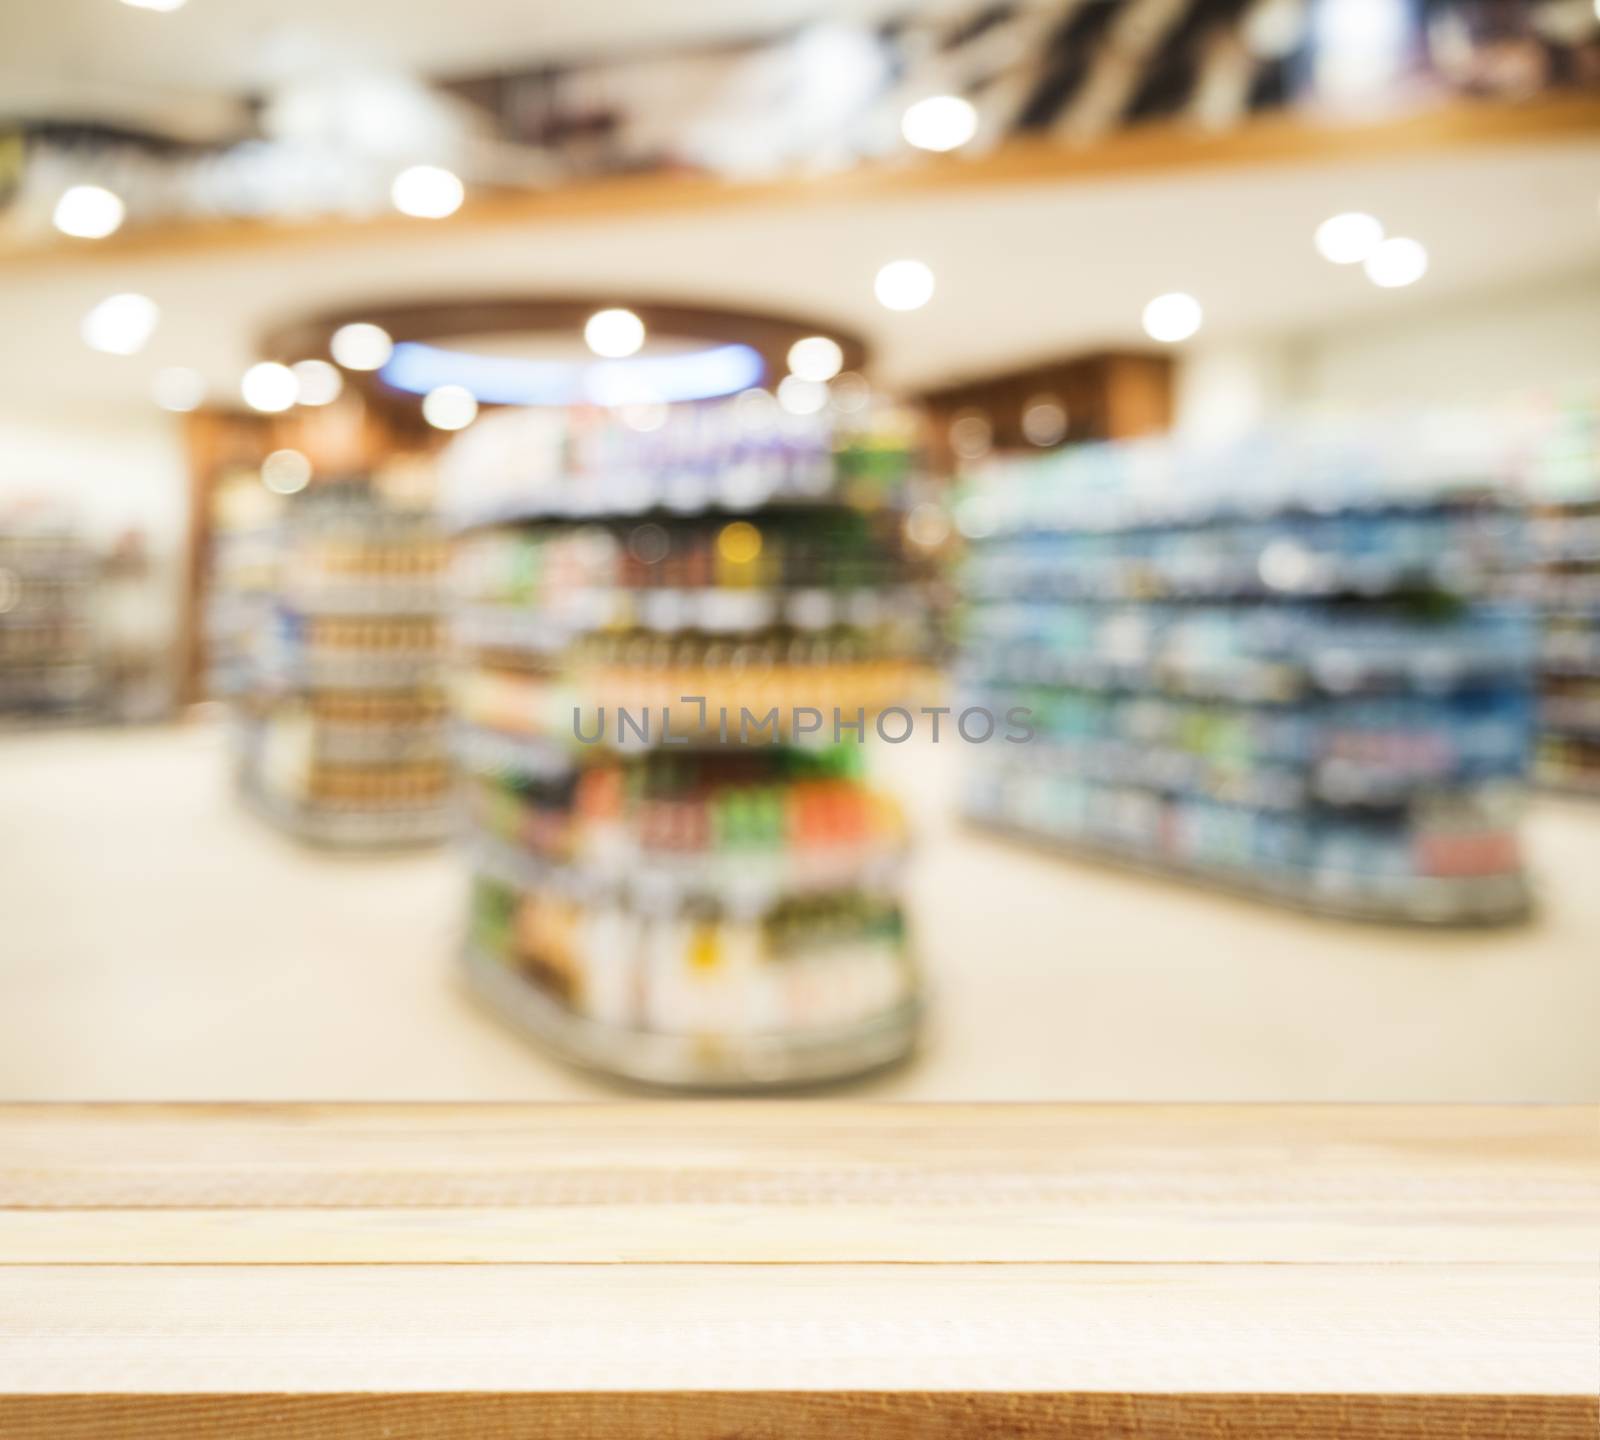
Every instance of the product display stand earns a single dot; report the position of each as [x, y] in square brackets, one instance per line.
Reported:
[1564, 492]
[339, 706]
[1285, 668]
[676, 881]
[48, 671]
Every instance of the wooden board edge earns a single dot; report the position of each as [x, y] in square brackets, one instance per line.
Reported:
[879, 1415]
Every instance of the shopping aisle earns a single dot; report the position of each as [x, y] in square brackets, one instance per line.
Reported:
[1073, 978]
[160, 943]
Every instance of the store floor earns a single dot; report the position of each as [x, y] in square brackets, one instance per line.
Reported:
[158, 942]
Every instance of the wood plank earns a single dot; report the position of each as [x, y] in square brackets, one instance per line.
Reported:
[885, 1415]
[955, 1229]
[775, 1269]
[1338, 1329]
[785, 1182]
[1432, 1162]
[1156, 148]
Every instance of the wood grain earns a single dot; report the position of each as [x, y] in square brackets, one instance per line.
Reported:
[960, 1231]
[66, 1155]
[775, 1269]
[795, 1182]
[1339, 1329]
[804, 1415]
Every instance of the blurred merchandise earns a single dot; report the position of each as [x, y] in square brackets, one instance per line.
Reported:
[554, 442]
[84, 623]
[576, 463]
[1288, 666]
[724, 914]
[49, 668]
[246, 535]
[332, 611]
[1564, 492]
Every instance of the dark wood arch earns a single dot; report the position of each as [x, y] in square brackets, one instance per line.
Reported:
[769, 333]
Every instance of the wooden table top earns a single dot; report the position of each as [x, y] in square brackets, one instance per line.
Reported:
[782, 1268]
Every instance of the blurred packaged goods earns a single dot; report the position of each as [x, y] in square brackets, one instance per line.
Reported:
[1294, 666]
[677, 880]
[579, 464]
[49, 659]
[84, 622]
[329, 607]
[1564, 494]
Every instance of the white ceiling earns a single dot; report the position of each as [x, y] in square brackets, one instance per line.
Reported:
[95, 54]
[1022, 272]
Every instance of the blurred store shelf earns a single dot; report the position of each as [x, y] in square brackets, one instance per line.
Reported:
[160, 944]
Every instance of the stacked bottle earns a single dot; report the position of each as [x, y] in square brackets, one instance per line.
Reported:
[341, 710]
[1288, 667]
[674, 642]
[47, 640]
[1564, 492]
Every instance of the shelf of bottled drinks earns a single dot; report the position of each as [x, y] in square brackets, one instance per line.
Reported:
[672, 881]
[1292, 666]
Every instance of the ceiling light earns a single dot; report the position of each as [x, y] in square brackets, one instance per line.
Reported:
[801, 397]
[1349, 238]
[361, 346]
[1359, 46]
[515, 380]
[1172, 317]
[941, 122]
[816, 358]
[166, 7]
[88, 211]
[269, 387]
[1397, 262]
[904, 285]
[317, 382]
[450, 407]
[615, 334]
[178, 388]
[287, 472]
[120, 324]
[428, 192]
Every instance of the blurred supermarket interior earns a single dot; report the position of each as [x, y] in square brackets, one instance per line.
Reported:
[1041, 549]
